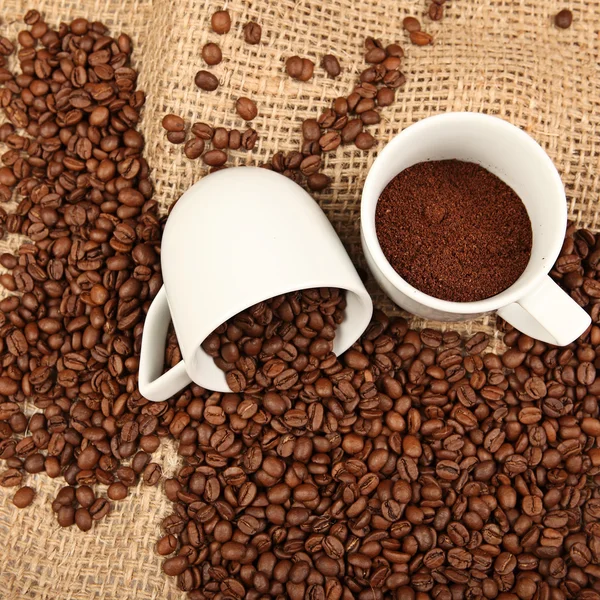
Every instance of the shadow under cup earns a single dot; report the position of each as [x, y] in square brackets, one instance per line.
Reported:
[505, 151]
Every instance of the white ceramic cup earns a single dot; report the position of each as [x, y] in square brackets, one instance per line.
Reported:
[236, 238]
[534, 304]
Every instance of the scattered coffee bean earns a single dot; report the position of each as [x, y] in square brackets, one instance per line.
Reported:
[221, 22]
[252, 33]
[411, 24]
[318, 181]
[436, 11]
[176, 137]
[211, 53]
[23, 497]
[95, 326]
[420, 38]
[215, 158]
[206, 81]
[331, 65]
[194, 148]
[202, 131]
[220, 138]
[563, 19]
[246, 108]
[364, 140]
[173, 123]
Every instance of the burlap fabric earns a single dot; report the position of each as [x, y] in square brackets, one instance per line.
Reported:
[503, 57]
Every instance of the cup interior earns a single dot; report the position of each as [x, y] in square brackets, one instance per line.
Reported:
[356, 318]
[502, 149]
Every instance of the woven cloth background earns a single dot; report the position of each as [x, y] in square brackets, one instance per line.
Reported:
[504, 57]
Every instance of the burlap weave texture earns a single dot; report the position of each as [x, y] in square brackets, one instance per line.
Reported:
[503, 57]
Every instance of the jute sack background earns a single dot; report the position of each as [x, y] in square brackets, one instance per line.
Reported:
[503, 57]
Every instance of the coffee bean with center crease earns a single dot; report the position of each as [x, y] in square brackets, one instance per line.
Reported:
[246, 108]
[252, 33]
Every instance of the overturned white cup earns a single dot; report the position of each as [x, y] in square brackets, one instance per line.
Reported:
[236, 238]
[534, 304]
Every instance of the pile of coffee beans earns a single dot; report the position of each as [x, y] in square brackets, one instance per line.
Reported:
[279, 345]
[417, 465]
[70, 334]
[343, 123]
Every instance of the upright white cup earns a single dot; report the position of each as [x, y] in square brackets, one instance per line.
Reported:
[534, 304]
[236, 238]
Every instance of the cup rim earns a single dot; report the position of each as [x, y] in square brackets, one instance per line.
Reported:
[369, 200]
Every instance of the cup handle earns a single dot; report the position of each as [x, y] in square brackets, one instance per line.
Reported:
[153, 383]
[547, 314]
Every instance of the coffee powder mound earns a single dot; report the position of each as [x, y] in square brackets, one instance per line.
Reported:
[453, 230]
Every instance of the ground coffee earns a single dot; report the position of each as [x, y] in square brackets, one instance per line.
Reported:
[453, 230]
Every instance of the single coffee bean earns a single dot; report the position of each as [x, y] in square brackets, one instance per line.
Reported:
[202, 131]
[176, 137]
[364, 140]
[318, 182]
[220, 22]
[23, 497]
[331, 65]
[206, 81]
[436, 11]
[246, 108]
[194, 148]
[252, 33]
[166, 545]
[563, 19]
[173, 122]
[83, 519]
[211, 53]
[421, 38]
[411, 24]
[152, 474]
[220, 138]
[215, 158]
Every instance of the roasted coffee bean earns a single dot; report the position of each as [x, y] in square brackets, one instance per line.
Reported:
[318, 182]
[299, 68]
[194, 148]
[246, 108]
[173, 122]
[364, 140]
[563, 19]
[436, 11]
[211, 53]
[411, 24]
[220, 22]
[215, 158]
[202, 131]
[311, 130]
[252, 33]
[331, 65]
[23, 497]
[420, 38]
[206, 81]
